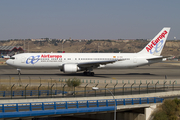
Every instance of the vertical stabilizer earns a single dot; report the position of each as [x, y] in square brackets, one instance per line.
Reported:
[155, 46]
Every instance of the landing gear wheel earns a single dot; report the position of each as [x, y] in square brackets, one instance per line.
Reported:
[92, 73]
[89, 73]
[85, 73]
[19, 71]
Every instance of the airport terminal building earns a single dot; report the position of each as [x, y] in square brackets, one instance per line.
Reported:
[10, 50]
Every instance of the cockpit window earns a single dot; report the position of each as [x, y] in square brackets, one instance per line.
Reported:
[12, 58]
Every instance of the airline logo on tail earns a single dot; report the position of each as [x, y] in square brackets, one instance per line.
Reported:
[158, 42]
[158, 47]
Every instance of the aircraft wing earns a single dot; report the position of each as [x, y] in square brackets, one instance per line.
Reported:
[97, 63]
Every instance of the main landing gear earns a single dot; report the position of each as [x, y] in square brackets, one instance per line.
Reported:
[88, 73]
[19, 71]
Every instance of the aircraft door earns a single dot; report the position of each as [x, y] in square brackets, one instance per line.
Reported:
[22, 59]
[135, 60]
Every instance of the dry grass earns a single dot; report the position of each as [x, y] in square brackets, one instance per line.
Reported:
[20, 87]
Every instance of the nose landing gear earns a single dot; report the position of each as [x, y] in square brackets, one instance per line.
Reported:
[19, 71]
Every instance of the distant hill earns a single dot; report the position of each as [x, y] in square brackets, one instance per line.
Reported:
[87, 46]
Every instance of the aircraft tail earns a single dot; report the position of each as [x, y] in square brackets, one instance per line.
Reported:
[155, 46]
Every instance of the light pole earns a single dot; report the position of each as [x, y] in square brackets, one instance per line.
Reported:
[96, 88]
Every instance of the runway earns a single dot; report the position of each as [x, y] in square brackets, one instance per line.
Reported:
[169, 70]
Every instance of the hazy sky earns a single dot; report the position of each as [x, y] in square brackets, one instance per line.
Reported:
[88, 19]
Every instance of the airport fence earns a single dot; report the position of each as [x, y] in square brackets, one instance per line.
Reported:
[12, 87]
[85, 91]
[31, 93]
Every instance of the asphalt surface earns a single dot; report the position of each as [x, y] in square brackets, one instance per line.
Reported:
[168, 70]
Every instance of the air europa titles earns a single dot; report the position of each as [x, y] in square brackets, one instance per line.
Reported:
[154, 42]
[51, 56]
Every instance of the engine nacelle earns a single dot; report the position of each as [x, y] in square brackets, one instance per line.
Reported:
[70, 68]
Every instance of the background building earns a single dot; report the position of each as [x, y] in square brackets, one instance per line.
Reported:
[10, 50]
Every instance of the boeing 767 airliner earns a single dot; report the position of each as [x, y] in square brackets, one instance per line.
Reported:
[75, 62]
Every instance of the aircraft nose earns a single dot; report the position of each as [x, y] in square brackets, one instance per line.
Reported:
[8, 62]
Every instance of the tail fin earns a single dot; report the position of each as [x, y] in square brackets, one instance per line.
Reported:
[2, 56]
[155, 46]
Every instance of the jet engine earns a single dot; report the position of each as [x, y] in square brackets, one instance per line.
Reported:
[70, 68]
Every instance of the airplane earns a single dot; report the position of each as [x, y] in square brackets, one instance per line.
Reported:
[75, 62]
[5, 57]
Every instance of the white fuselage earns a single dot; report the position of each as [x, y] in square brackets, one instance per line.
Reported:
[53, 60]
